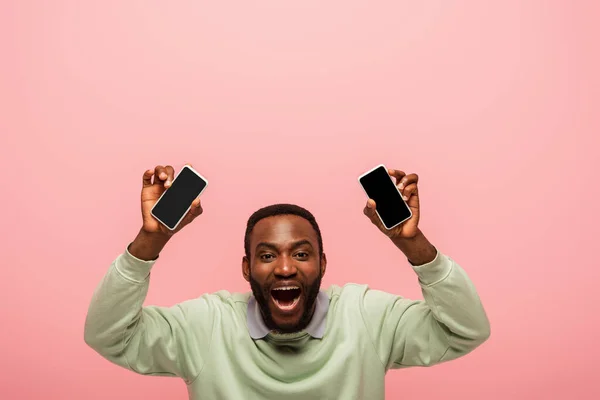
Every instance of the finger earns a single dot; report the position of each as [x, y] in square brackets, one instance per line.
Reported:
[196, 208]
[170, 175]
[369, 208]
[370, 212]
[147, 178]
[396, 173]
[410, 190]
[160, 174]
[407, 180]
[195, 211]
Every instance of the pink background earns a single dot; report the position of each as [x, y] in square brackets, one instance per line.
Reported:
[493, 104]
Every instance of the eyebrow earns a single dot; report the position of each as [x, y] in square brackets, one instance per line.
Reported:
[274, 247]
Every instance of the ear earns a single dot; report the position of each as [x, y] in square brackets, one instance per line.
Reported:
[323, 264]
[246, 268]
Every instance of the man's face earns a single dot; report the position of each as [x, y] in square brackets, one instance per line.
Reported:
[284, 271]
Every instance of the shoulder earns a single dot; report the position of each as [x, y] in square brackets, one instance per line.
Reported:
[363, 295]
[217, 302]
[348, 289]
[351, 290]
[347, 294]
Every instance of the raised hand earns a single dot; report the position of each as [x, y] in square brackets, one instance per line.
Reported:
[407, 184]
[155, 182]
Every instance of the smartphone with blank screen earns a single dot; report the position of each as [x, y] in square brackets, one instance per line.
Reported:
[389, 204]
[176, 201]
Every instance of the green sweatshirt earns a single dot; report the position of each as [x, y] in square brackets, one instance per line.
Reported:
[206, 341]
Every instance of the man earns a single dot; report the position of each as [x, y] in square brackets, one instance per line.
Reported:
[287, 337]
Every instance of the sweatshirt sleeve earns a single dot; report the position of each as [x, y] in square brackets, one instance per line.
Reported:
[449, 323]
[148, 340]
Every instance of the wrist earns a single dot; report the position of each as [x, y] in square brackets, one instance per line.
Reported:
[147, 246]
[407, 241]
[416, 248]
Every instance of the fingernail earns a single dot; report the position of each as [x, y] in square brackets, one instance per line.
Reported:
[401, 186]
[405, 198]
[168, 183]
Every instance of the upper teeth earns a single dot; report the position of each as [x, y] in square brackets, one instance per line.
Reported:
[287, 288]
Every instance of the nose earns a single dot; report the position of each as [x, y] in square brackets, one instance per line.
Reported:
[285, 268]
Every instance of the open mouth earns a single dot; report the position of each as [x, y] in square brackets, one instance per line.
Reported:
[286, 298]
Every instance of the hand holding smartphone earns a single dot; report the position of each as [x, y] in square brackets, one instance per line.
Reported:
[175, 202]
[389, 204]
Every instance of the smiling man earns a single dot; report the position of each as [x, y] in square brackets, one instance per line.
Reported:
[288, 336]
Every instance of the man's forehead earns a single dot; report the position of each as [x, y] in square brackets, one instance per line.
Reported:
[283, 228]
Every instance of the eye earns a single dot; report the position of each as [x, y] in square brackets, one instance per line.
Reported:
[266, 257]
[302, 254]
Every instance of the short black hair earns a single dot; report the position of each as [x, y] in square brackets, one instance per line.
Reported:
[281, 209]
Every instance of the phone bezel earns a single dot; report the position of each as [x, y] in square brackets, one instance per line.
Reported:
[391, 180]
[190, 206]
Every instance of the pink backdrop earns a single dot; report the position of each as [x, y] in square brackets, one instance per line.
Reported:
[493, 104]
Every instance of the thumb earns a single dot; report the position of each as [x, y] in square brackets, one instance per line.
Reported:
[370, 212]
[195, 211]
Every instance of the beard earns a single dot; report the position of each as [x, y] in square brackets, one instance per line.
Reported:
[262, 298]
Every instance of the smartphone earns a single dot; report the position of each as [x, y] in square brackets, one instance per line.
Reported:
[176, 201]
[389, 204]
